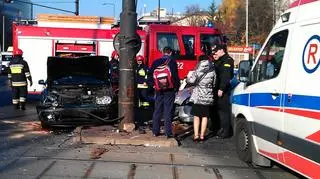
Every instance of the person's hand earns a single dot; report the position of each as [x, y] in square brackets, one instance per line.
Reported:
[220, 93]
[31, 83]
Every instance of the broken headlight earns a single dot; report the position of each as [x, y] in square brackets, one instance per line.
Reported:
[51, 100]
[103, 100]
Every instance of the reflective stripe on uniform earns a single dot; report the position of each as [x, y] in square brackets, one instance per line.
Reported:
[27, 74]
[24, 83]
[144, 104]
[16, 68]
[142, 86]
[227, 65]
[15, 101]
[142, 72]
[9, 76]
[22, 99]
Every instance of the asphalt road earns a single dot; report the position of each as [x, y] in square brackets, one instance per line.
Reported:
[27, 151]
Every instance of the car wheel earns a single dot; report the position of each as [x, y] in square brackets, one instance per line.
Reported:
[243, 137]
[45, 125]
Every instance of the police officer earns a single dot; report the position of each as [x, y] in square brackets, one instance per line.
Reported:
[18, 74]
[224, 68]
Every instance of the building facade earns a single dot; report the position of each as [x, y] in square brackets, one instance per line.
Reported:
[12, 12]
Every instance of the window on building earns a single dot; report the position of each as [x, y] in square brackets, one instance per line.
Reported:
[269, 63]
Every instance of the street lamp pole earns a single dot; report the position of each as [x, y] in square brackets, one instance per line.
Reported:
[247, 23]
[159, 10]
[114, 7]
[77, 8]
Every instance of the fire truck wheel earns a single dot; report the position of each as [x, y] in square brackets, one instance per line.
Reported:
[243, 137]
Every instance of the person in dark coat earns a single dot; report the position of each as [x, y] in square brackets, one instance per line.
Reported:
[18, 74]
[202, 96]
[114, 70]
[224, 66]
[164, 99]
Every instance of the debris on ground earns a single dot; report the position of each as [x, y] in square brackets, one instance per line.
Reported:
[97, 152]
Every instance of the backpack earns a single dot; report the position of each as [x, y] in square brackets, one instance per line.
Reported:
[162, 77]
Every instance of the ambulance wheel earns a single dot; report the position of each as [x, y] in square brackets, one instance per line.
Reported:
[243, 137]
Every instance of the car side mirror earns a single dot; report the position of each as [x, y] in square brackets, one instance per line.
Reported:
[243, 71]
[41, 82]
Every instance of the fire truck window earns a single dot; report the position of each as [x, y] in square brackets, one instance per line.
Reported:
[168, 40]
[210, 38]
[188, 42]
[269, 63]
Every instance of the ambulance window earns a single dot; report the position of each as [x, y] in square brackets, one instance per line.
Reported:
[188, 42]
[269, 63]
[168, 40]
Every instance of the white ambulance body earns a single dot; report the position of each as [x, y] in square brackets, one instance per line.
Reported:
[277, 104]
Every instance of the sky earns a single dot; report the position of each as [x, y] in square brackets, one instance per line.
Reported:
[98, 8]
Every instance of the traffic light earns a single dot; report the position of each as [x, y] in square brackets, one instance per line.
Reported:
[8, 1]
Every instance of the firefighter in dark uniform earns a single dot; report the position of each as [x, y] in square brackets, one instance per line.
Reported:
[224, 68]
[114, 70]
[141, 81]
[142, 98]
[18, 74]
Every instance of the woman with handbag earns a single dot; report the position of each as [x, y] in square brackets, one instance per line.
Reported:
[202, 97]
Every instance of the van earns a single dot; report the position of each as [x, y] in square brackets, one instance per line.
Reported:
[276, 106]
[5, 60]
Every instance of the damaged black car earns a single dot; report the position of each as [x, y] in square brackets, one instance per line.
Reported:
[77, 92]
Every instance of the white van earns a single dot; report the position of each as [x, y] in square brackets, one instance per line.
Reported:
[5, 58]
[276, 106]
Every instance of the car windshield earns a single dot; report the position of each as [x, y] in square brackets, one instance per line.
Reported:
[78, 80]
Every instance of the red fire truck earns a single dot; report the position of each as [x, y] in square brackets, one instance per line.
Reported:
[57, 39]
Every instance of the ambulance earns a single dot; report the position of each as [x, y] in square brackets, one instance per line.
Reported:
[276, 106]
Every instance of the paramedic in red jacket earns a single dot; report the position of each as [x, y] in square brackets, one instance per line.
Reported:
[18, 74]
[164, 93]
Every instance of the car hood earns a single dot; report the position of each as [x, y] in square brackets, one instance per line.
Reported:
[93, 66]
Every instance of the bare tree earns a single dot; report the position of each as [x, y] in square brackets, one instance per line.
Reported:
[194, 15]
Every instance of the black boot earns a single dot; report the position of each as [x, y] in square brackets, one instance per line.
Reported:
[23, 106]
[16, 106]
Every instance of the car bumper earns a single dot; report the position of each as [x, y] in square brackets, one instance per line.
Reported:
[76, 116]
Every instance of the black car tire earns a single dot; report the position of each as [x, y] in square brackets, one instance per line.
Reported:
[243, 137]
[45, 125]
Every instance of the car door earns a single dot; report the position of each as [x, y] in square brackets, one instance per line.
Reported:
[266, 88]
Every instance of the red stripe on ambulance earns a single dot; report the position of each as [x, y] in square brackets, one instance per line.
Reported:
[296, 162]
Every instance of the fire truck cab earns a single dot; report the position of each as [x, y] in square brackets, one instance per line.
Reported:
[184, 40]
[276, 106]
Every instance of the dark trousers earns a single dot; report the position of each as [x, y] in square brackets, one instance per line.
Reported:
[224, 113]
[164, 106]
[19, 94]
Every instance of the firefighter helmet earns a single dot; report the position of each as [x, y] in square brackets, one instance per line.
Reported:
[140, 58]
[17, 52]
[114, 53]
